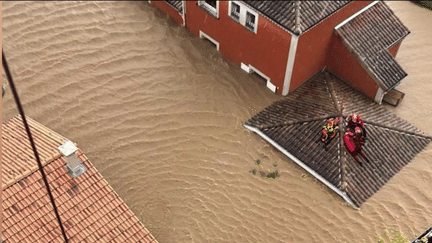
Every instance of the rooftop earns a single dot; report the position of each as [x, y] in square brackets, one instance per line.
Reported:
[177, 4]
[309, 13]
[90, 210]
[368, 36]
[293, 126]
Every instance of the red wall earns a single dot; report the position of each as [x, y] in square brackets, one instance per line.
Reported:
[343, 64]
[313, 45]
[267, 50]
[394, 49]
[169, 10]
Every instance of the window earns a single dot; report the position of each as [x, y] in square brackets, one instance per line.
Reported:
[243, 15]
[250, 21]
[211, 3]
[212, 7]
[235, 11]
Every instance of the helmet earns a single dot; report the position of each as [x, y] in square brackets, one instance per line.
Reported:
[358, 130]
[355, 118]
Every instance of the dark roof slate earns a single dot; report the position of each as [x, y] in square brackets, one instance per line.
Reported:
[310, 100]
[177, 4]
[369, 35]
[284, 12]
[391, 141]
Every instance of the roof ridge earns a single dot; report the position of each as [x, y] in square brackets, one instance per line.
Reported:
[424, 135]
[30, 171]
[297, 25]
[45, 130]
[292, 122]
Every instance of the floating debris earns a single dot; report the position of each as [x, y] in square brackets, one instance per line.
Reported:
[269, 175]
[273, 175]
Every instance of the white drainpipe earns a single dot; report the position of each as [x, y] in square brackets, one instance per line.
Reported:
[290, 64]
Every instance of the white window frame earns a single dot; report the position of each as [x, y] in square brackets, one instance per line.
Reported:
[210, 9]
[252, 69]
[243, 12]
[203, 35]
[230, 9]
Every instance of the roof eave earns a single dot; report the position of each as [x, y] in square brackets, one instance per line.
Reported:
[319, 22]
[29, 172]
[271, 20]
[395, 85]
[400, 39]
[338, 191]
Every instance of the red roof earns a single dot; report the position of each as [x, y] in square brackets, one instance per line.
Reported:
[90, 210]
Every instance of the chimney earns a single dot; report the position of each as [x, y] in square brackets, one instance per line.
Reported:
[73, 164]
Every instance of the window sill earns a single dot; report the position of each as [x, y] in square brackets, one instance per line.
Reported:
[235, 20]
[250, 29]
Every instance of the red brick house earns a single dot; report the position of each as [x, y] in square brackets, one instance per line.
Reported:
[288, 42]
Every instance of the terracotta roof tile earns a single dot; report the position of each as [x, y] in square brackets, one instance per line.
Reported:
[90, 210]
[369, 36]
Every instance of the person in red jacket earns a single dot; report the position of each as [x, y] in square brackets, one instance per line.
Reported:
[356, 121]
[354, 143]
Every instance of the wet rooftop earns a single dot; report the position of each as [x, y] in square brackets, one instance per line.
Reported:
[294, 124]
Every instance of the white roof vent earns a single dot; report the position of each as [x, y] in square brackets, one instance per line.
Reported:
[67, 148]
[73, 163]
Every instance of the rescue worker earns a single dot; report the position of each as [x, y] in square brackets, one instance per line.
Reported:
[356, 121]
[354, 143]
[329, 131]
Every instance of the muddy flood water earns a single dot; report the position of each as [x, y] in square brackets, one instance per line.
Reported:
[159, 112]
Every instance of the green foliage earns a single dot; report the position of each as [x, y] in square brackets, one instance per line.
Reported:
[395, 237]
[425, 4]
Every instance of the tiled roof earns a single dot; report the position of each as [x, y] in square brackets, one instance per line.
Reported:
[177, 4]
[369, 35]
[90, 210]
[309, 12]
[294, 124]
[18, 158]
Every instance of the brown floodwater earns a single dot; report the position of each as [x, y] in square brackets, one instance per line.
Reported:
[160, 112]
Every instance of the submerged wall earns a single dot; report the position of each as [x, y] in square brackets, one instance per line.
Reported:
[267, 50]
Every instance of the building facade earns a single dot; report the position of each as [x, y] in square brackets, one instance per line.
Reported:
[288, 42]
